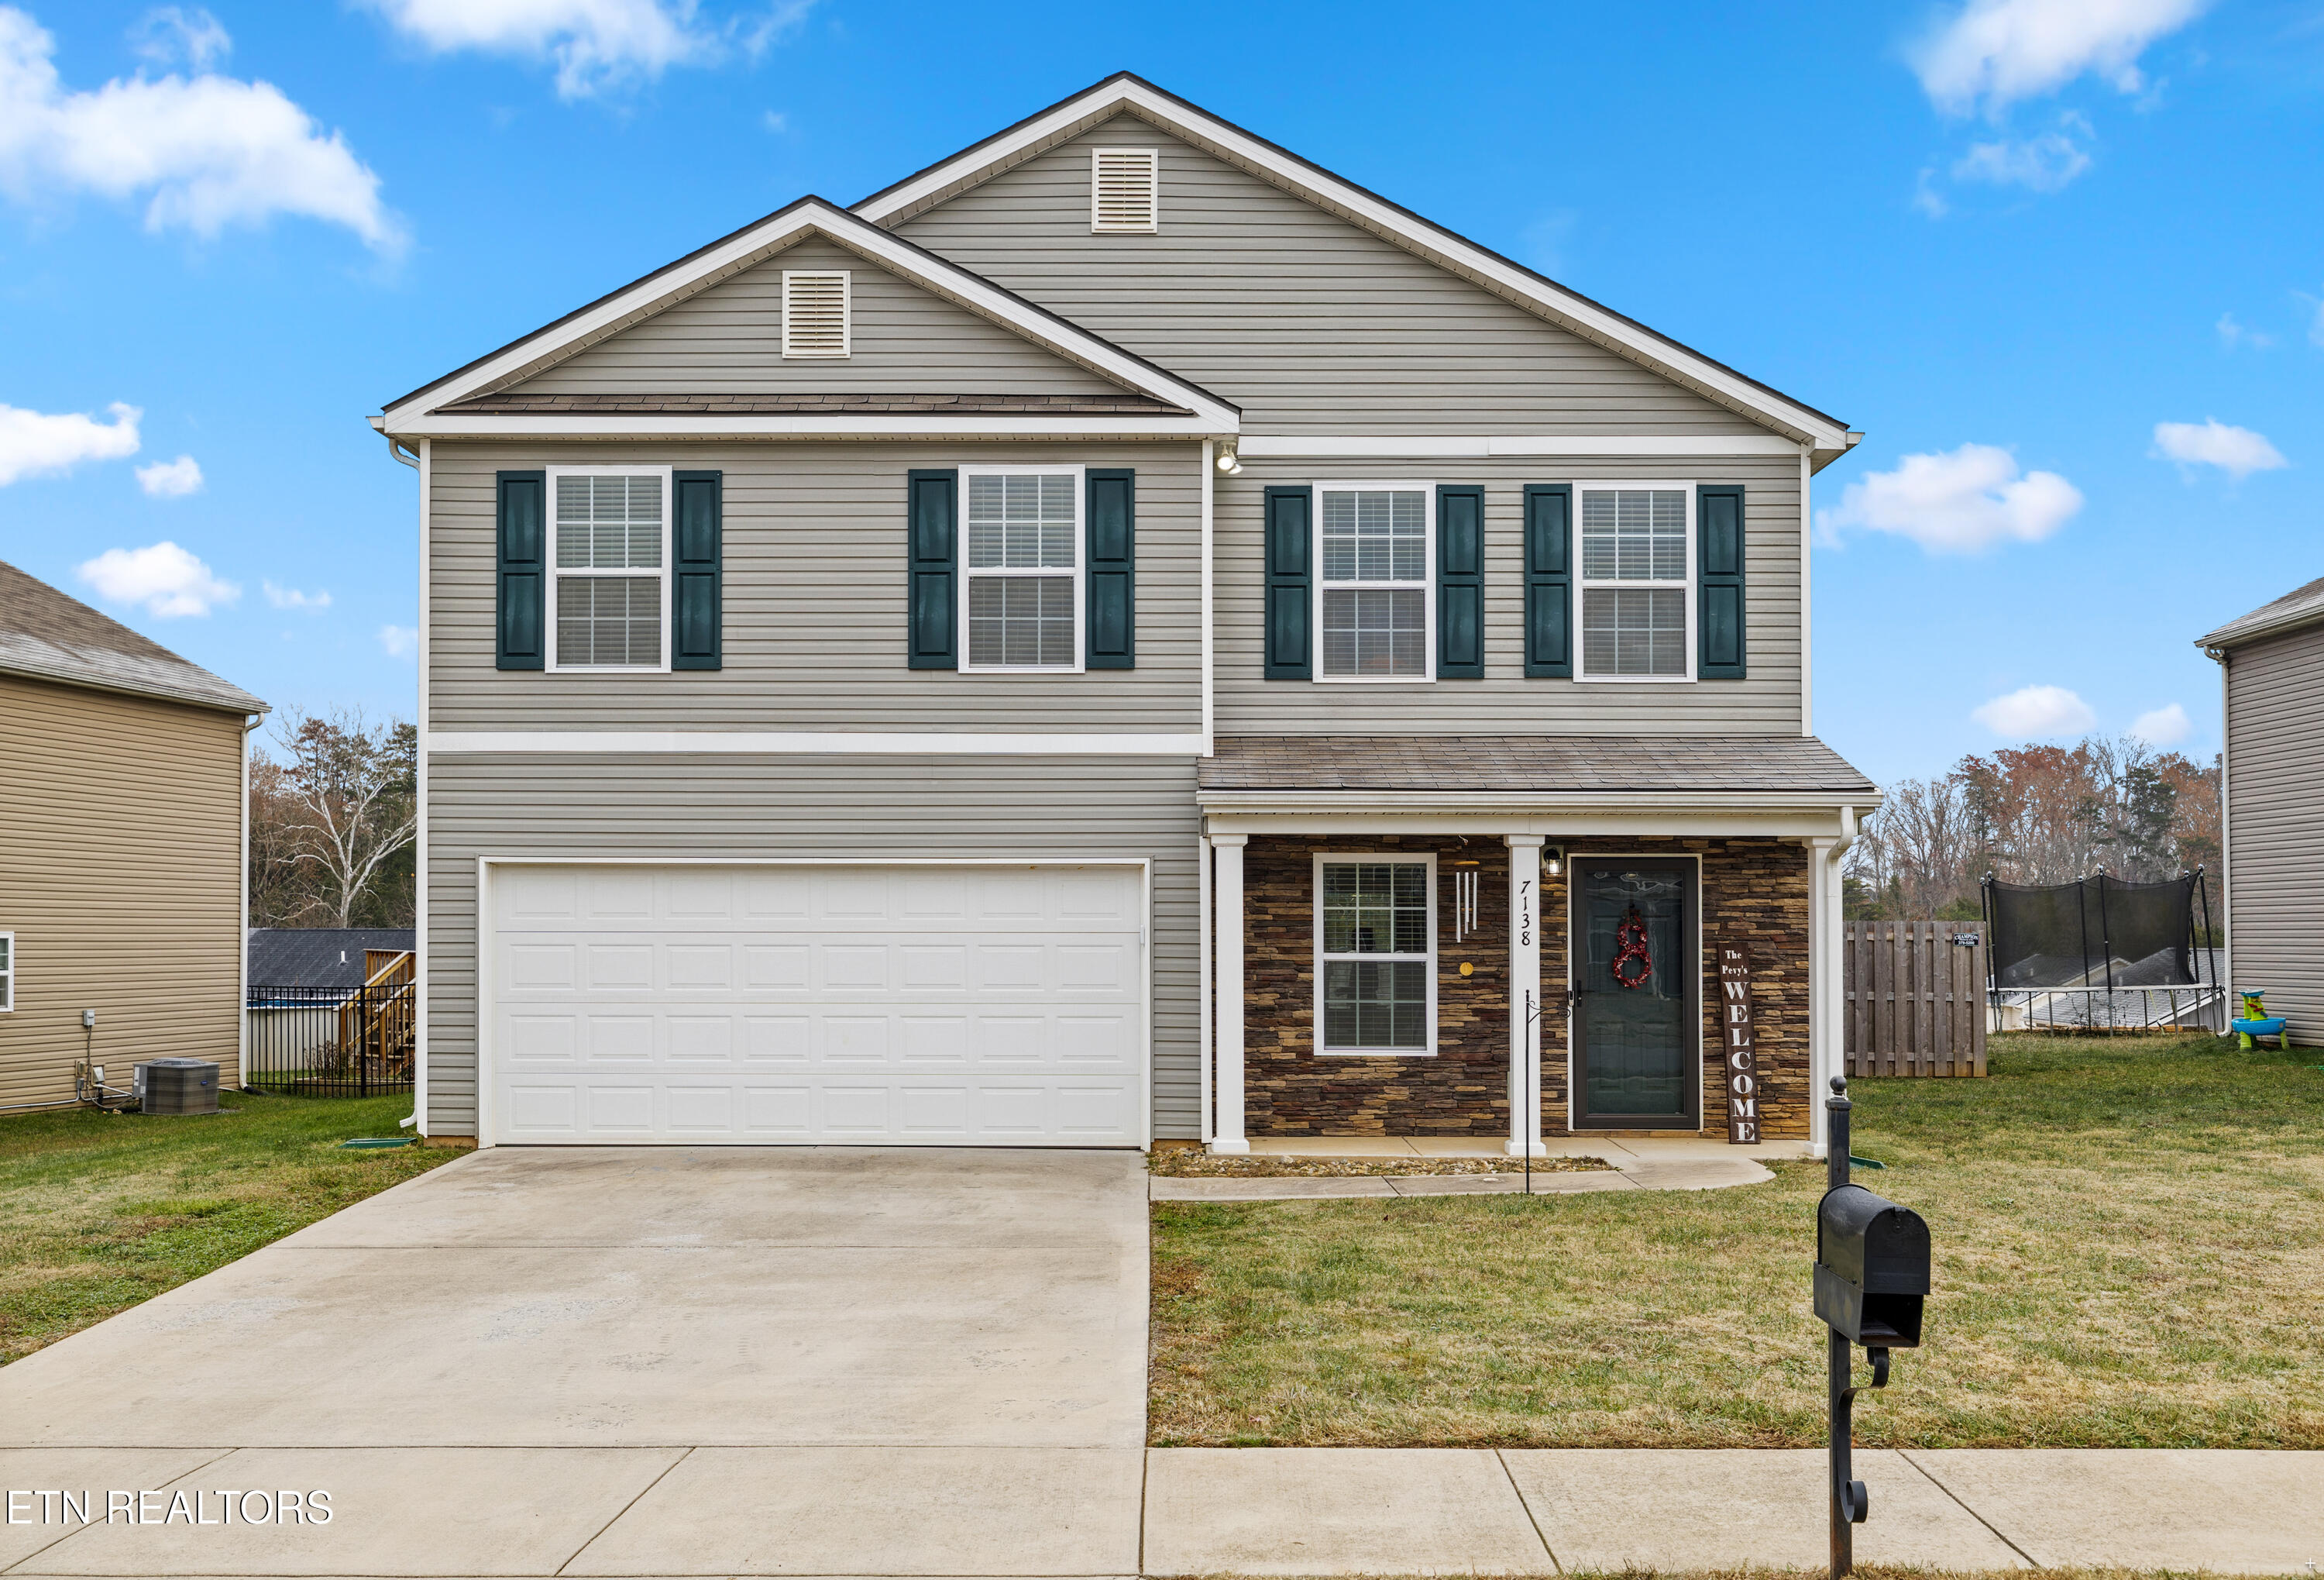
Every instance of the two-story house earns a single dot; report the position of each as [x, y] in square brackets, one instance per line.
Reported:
[1121, 635]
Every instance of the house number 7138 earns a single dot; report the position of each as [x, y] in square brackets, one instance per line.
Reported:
[1524, 910]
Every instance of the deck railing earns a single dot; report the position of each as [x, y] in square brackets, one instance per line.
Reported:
[336, 1042]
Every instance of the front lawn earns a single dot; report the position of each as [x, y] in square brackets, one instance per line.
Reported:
[99, 1211]
[2129, 1239]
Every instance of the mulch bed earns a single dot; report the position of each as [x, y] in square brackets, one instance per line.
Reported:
[1187, 1163]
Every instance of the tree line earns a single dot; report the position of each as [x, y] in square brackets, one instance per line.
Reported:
[333, 822]
[2033, 815]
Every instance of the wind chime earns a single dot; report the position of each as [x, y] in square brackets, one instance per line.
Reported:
[1634, 967]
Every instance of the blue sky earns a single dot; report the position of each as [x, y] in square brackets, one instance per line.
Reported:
[2007, 240]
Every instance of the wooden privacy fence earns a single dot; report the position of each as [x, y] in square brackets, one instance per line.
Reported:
[1914, 996]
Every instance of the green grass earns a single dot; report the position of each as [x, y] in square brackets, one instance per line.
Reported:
[99, 1211]
[2129, 1239]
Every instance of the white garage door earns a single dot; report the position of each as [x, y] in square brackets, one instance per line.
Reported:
[944, 1005]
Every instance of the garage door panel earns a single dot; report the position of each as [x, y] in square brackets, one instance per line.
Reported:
[912, 1004]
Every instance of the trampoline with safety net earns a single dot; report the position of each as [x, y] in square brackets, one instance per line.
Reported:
[2102, 953]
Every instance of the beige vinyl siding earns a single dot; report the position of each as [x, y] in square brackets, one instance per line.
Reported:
[744, 808]
[2275, 825]
[1310, 323]
[815, 600]
[1505, 702]
[121, 876]
[728, 339]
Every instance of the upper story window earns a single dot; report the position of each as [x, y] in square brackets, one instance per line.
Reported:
[1637, 566]
[1022, 579]
[1373, 610]
[1125, 190]
[816, 321]
[1375, 938]
[608, 587]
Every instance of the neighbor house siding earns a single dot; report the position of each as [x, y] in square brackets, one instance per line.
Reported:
[1505, 702]
[2275, 825]
[728, 339]
[1309, 322]
[815, 635]
[121, 876]
[746, 808]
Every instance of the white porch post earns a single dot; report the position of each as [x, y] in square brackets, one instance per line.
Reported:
[1226, 862]
[1524, 995]
[1823, 982]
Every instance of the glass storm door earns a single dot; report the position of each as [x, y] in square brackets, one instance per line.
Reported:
[1638, 1028]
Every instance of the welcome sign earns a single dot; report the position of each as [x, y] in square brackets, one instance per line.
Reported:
[1735, 1039]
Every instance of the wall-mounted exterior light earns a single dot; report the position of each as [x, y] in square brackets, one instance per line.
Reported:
[1553, 861]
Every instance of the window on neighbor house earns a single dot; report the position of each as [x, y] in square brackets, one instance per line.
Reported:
[1373, 611]
[1636, 582]
[7, 971]
[1375, 955]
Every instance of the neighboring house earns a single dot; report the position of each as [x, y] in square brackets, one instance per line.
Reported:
[2272, 833]
[320, 957]
[881, 668]
[122, 839]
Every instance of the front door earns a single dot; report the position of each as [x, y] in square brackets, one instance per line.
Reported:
[1637, 1023]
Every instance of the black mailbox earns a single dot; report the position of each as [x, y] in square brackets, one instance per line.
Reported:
[1872, 1268]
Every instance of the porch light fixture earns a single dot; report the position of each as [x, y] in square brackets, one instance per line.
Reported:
[1553, 861]
[1229, 463]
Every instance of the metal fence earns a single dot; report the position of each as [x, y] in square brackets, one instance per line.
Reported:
[2198, 1007]
[331, 1041]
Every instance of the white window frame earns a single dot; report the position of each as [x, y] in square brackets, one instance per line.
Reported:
[1583, 587]
[1315, 894]
[557, 576]
[1427, 584]
[1154, 170]
[8, 975]
[1080, 574]
[847, 278]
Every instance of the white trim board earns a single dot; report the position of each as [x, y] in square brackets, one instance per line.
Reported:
[807, 217]
[794, 427]
[1278, 167]
[1479, 446]
[839, 742]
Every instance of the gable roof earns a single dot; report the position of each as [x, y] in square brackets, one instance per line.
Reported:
[1126, 92]
[1186, 409]
[52, 637]
[2301, 606]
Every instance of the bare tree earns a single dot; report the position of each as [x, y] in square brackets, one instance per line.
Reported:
[339, 811]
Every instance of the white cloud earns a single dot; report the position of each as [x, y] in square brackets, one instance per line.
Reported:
[2163, 727]
[33, 442]
[2037, 712]
[209, 151]
[401, 642]
[1956, 502]
[2236, 451]
[293, 598]
[2043, 163]
[597, 44]
[776, 121]
[2315, 318]
[166, 580]
[2233, 335]
[1994, 52]
[1927, 199]
[168, 35]
[171, 479]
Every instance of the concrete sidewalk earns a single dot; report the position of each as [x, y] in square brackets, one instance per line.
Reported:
[938, 1510]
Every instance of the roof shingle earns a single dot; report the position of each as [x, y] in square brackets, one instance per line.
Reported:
[534, 404]
[2298, 607]
[1536, 765]
[47, 634]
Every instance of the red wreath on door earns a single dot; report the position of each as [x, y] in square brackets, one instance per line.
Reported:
[1632, 938]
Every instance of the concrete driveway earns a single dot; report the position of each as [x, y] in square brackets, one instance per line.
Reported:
[631, 1361]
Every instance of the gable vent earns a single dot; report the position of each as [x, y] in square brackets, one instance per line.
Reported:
[814, 312]
[1124, 185]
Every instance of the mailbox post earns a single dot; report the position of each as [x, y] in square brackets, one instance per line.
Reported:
[1871, 1274]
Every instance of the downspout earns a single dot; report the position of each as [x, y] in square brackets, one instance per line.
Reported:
[2227, 939]
[425, 466]
[242, 939]
[1826, 1031]
[1207, 1130]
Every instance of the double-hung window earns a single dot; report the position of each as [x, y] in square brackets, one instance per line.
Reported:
[1021, 587]
[1373, 609]
[1375, 954]
[609, 584]
[7, 971]
[1637, 581]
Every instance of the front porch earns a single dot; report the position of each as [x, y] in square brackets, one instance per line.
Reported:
[1507, 968]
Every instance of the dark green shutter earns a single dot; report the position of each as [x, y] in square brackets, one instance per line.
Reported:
[699, 593]
[1111, 639]
[1549, 580]
[1288, 607]
[1719, 569]
[522, 546]
[933, 554]
[1460, 581]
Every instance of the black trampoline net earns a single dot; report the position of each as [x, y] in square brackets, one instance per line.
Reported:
[2099, 932]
